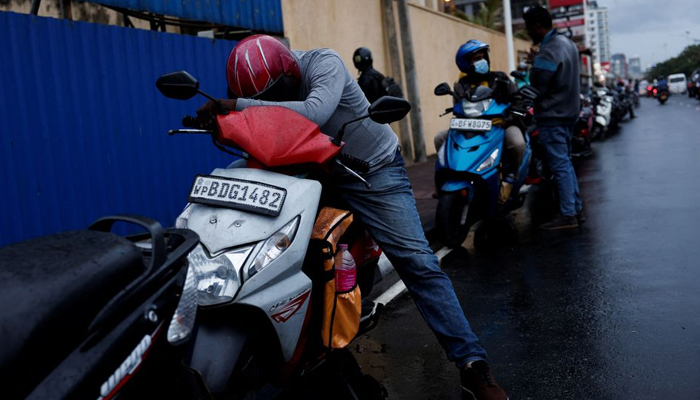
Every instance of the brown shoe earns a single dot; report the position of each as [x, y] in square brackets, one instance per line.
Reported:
[562, 222]
[478, 383]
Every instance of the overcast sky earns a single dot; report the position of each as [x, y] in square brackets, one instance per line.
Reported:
[655, 30]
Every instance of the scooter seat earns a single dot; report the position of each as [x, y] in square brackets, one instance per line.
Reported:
[51, 288]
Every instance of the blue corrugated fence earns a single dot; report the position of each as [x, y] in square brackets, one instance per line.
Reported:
[83, 130]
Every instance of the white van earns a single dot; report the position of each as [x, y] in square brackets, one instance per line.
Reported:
[677, 83]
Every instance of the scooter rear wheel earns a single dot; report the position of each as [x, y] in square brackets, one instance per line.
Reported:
[450, 209]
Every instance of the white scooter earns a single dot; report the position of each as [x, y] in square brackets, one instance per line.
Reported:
[269, 307]
[603, 114]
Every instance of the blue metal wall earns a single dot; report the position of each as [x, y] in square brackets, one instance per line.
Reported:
[83, 128]
[259, 15]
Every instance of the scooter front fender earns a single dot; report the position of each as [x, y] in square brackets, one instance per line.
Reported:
[215, 353]
[457, 185]
[223, 336]
[600, 120]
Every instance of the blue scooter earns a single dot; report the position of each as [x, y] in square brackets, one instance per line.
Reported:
[468, 171]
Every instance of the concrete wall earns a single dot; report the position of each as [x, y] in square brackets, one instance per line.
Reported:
[345, 25]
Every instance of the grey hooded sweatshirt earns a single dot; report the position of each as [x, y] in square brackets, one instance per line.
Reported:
[330, 97]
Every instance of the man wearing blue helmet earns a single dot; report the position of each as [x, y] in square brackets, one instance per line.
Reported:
[473, 60]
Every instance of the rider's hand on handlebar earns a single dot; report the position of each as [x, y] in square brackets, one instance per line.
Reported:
[206, 113]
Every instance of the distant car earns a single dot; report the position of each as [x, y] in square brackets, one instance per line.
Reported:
[643, 87]
[677, 83]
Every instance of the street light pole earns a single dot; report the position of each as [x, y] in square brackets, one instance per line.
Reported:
[509, 34]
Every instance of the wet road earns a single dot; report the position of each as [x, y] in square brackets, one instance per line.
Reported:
[609, 311]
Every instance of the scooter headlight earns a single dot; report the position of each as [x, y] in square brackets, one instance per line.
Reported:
[273, 247]
[475, 109]
[218, 277]
[489, 161]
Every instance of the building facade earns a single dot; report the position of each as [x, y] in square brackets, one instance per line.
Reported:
[635, 67]
[618, 66]
[597, 32]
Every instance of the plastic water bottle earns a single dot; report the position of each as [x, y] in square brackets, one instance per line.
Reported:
[345, 270]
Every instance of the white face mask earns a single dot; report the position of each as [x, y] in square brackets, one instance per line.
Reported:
[481, 67]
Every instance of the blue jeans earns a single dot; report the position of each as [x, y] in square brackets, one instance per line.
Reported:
[556, 141]
[389, 211]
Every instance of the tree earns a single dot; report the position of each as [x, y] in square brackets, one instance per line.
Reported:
[685, 63]
[490, 15]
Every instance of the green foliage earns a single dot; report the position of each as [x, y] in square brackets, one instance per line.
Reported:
[490, 15]
[685, 63]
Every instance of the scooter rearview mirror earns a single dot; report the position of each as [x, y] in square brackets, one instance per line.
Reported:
[178, 85]
[442, 89]
[388, 109]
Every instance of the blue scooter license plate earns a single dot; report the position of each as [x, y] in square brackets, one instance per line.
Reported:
[462, 124]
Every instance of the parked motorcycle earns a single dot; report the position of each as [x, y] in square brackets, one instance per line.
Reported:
[468, 173]
[93, 315]
[271, 307]
[619, 110]
[634, 95]
[603, 102]
[581, 143]
[627, 100]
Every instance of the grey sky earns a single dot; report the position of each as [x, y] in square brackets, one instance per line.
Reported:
[655, 30]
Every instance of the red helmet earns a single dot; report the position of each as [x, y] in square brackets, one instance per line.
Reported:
[258, 62]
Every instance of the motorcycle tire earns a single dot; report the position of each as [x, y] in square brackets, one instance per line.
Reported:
[447, 219]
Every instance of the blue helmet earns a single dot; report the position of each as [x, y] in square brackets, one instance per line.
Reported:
[465, 52]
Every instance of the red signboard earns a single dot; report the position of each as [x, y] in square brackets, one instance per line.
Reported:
[568, 24]
[564, 3]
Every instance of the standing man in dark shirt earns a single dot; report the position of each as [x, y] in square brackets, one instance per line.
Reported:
[555, 74]
[370, 79]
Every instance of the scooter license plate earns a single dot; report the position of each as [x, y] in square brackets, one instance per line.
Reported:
[462, 124]
[256, 197]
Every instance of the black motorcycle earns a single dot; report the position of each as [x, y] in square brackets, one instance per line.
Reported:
[91, 314]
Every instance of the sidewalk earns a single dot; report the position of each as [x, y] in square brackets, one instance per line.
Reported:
[421, 176]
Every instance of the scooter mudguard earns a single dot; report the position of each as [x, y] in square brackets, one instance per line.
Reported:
[216, 350]
[599, 119]
[457, 185]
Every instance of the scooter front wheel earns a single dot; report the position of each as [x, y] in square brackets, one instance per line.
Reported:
[451, 218]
